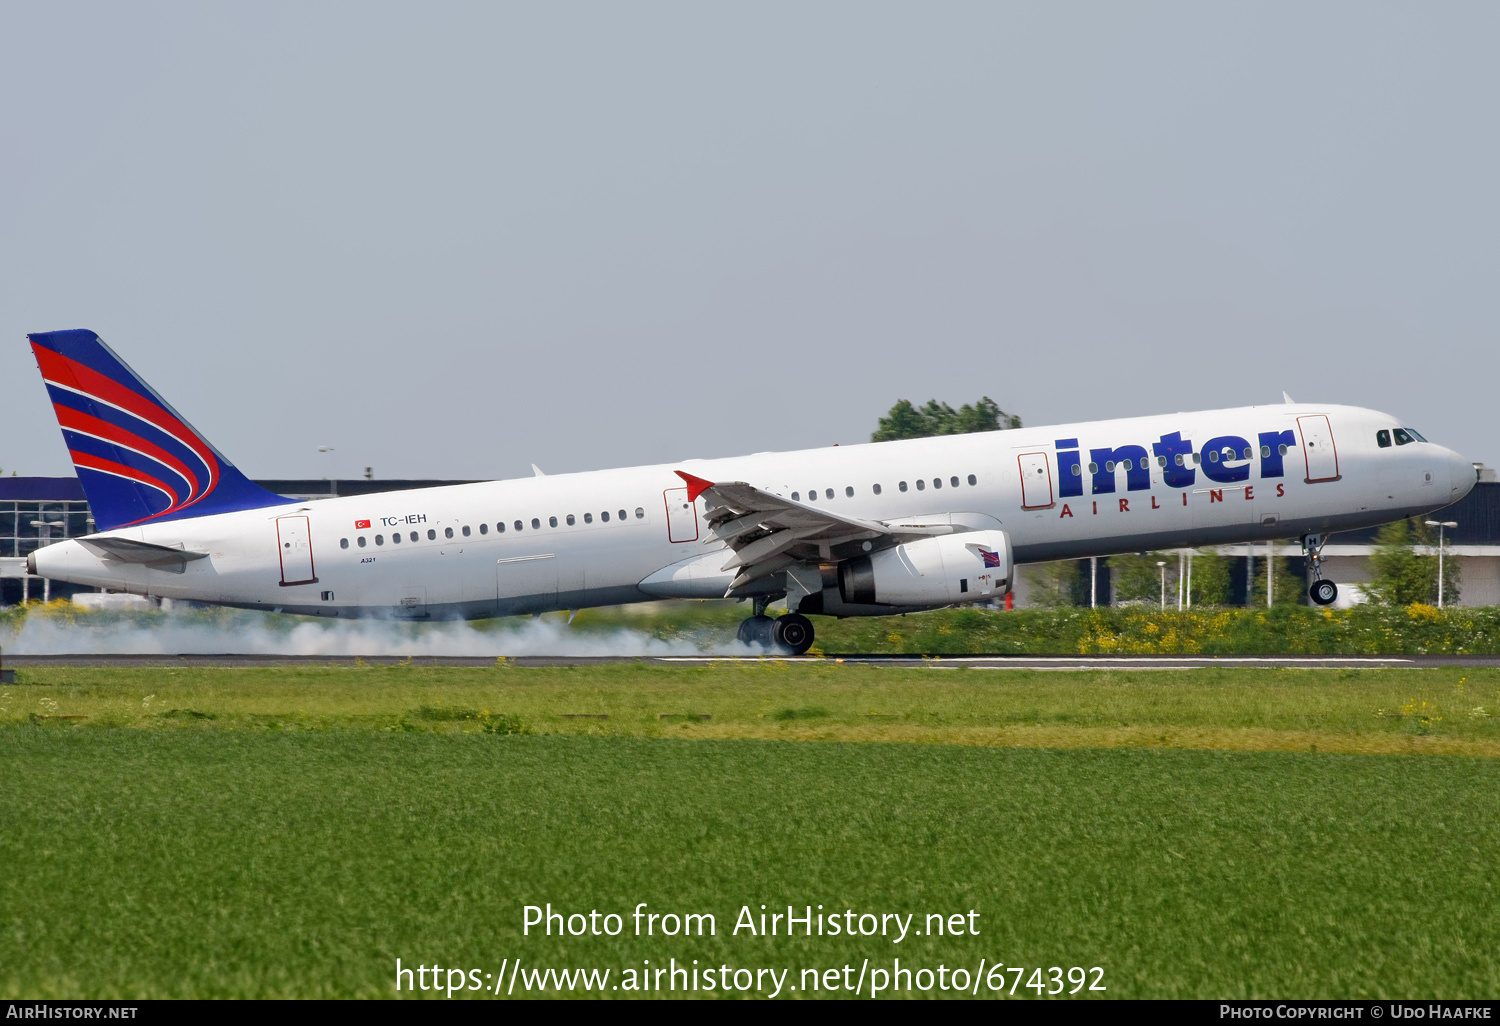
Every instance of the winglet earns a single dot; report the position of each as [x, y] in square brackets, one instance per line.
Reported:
[696, 485]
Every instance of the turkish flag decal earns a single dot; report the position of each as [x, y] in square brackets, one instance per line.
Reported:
[361, 525]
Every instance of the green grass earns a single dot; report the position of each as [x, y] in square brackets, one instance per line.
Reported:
[293, 831]
[1442, 710]
[231, 863]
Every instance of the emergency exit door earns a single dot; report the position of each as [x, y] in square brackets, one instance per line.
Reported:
[682, 516]
[1036, 480]
[295, 540]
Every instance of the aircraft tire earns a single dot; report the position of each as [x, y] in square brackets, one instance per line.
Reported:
[758, 631]
[1323, 593]
[794, 633]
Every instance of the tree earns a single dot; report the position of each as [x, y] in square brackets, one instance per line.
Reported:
[935, 418]
[1137, 577]
[1053, 584]
[1286, 589]
[1404, 566]
[1210, 578]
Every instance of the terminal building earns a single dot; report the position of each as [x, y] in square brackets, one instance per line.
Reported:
[37, 511]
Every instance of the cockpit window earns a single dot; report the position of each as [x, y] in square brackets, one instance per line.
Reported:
[1403, 437]
[1383, 439]
[1414, 436]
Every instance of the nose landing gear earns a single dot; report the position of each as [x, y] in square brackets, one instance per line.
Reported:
[1322, 592]
[791, 634]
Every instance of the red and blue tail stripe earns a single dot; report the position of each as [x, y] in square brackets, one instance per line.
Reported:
[136, 458]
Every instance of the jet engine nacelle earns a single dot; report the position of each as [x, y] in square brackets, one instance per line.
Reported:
[968, 567]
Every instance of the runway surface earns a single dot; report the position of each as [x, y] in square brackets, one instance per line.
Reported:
[979, 662]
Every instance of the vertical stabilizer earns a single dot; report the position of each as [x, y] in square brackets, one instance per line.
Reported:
[136, 457]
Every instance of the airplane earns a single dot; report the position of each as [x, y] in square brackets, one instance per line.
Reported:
[856, 530]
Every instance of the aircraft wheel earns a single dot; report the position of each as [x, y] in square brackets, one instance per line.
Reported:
[794, 633]
[1323, 592]
[758, 631]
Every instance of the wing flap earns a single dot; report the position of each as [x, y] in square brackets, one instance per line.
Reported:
[768, 532]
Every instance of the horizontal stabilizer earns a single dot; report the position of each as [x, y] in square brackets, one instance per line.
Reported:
[127, 550]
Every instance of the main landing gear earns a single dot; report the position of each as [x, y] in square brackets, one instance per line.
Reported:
[791, 633]
[1320, 591]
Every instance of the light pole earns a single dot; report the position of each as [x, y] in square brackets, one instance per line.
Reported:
[1440, 524]
[44, 537]
[333, 480]
[1163, 564]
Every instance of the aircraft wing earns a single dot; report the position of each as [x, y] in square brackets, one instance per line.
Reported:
[767, 532]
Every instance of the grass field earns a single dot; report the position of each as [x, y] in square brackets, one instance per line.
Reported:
[687, 627]
[292, 832]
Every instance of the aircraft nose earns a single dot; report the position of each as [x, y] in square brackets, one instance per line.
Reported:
[1464, 475]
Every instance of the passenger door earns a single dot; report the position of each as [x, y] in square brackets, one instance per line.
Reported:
[1321, 454]
[295, 543]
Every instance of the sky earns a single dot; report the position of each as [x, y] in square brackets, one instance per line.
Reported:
[450, 240]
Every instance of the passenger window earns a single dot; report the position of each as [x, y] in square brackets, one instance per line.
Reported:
[953, 481]
[937, 482]
[828, 493]
[1248, 452]
[500, 527]
[447, 532]
[1077, 470]
[414, 536]
[1197, 457]
[519, 525]
[640, 514]
[431, 534]
[1213, 457]
[875, 489]
[483, 529]
[1161, 461]
[343, 543]
[571, 521]
[380, 539]
[466, 530]
[1282, 448]
[551, 521]
[588, 518]
[812, 495]
[1093, 468]
[1109, 466]
[536, 523]
[361, 540]
[921, 484]
[1402, 437]
[974, 480]
[848, 491]
[622, 514]
[902, 486]
[604, 516]
[1265, 452]
[396, 538]
[1383, 438]
[796, 496]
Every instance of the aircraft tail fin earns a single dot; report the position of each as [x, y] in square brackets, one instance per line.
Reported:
[136, 457]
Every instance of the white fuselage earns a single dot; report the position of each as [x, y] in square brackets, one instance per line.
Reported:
[593, 538]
